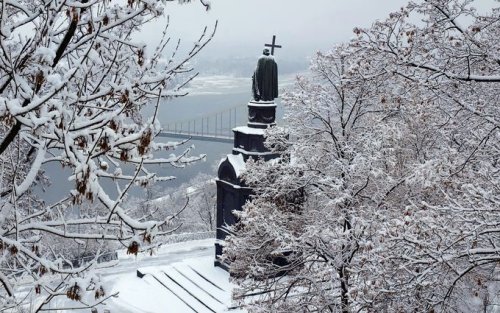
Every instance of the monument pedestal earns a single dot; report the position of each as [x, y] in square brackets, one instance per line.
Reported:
[232, 193]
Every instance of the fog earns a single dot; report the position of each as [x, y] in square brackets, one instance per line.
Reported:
[244, 26]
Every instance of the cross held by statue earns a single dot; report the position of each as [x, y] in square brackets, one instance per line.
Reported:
[273, 45]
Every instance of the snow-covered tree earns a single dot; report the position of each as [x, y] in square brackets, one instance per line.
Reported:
[197, 198]
[387, 196]
[73, 81]
[202, 195]
[451, 56]
[310, 218]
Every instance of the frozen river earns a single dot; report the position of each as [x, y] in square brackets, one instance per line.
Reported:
[208, 96]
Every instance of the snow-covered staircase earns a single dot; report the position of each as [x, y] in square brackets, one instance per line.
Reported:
[190, 285]
[197, 292]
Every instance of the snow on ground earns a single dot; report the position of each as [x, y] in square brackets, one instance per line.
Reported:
[193, 285]
[179, 278]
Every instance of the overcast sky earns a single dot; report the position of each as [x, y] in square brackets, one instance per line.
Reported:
[301, 26]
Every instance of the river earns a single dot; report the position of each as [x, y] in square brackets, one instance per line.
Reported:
[191, 106]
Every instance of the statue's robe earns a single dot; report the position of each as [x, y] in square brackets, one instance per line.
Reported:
[265, 79]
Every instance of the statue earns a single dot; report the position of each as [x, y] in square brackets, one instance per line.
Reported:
[265, 78]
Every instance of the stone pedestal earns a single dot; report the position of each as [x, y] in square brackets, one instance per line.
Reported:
[232, 193]
[261, 114]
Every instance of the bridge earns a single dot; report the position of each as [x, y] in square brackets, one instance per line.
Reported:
[213, 126]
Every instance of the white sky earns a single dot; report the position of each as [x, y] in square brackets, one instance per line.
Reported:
[301, 26]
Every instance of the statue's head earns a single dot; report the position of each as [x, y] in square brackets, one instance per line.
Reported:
[265, 52]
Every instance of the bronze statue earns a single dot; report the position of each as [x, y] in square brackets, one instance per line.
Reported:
[265, 78]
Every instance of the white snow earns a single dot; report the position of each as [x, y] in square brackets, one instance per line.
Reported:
[35, 167]
[252, 153]
[178, 278]
[174, 286]
[266, 125]
[237, 162]
[262, 103]
[249, 131]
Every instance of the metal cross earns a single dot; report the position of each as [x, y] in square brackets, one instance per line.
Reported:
[273, 45]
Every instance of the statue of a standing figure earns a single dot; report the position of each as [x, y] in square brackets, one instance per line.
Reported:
[265, 78]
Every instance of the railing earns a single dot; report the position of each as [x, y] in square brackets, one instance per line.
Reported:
[212, 125]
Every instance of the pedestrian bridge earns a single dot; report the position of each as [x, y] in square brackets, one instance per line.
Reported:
[214, 126]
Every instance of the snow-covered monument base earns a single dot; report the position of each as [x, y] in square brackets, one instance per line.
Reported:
[231, 190]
